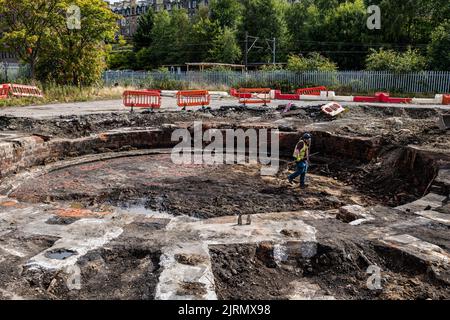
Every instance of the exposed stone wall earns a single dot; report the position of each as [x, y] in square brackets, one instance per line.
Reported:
[421, 167]
[357, 148]
[25, 152]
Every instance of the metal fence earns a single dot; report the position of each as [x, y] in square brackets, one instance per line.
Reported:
[357, 81]
[13, 71]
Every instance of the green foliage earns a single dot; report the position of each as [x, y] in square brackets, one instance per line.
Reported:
[409, 22]
[439, 47]
[122, 59]
[203, 33]
[39, 36]
[313, 62]
[142, 37]
[228, 13]
[28, 26]
[225, 48]
[345, 27]
[78, 57]
[169, 45]
[389, 60]
[334, 28]
[271, 67]
[265, 19]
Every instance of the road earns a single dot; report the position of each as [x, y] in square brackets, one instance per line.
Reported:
[168, 103]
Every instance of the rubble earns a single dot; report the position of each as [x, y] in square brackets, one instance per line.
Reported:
[444, 121]
[351, 213]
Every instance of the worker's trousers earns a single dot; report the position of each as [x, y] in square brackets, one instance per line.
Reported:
[301, 169]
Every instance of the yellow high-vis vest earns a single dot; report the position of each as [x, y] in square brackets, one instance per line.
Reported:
[302, 153]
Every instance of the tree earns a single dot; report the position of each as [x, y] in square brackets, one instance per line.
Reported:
[389, 60]
[78, 56]
[303, 21]
[180, 28]
[38, 32]
[203, 34]
[313, 62]
[228, 13]
[149, 57]
[225, 48]
[202, 12]
[265, 19]
[171, 34]
[439, 47]
[28, 24]
[343, 29]
[409, 22]
[142, 37]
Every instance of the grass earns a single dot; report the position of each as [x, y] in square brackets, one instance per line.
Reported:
[62, 94]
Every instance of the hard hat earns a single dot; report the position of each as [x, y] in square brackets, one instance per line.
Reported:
[307, 136]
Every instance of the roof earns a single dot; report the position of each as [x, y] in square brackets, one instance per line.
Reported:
[214, 64]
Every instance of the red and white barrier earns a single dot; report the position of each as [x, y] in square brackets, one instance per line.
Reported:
[446, 99]
[382, 97]
[150, 99]
[19, 90]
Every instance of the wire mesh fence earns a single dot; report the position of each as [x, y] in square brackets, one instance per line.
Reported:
[357, 81]
[10, 72]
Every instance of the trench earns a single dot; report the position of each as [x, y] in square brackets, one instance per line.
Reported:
[130, 169]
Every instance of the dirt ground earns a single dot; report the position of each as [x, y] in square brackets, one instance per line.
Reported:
[196, 190]
[155, 202]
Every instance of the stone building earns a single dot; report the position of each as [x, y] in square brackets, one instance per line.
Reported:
[130, 10]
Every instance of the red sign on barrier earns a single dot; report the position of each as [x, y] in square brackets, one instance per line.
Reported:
[150, 99]
[193, 98]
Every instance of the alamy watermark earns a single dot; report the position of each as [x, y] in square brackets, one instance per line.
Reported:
[73, 17]
[374, 20]
[374, 281]
[73, 280]
[227, 146]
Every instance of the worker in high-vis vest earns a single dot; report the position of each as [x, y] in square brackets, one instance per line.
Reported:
[301, 155]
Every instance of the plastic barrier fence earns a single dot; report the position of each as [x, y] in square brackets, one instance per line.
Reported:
[257, 96]
[150, 99]
[235, 93]
[286, 96]
[19, 90]
[193, 98]
[315, 91]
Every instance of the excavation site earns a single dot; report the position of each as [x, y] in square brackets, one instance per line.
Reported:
[93, 206]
